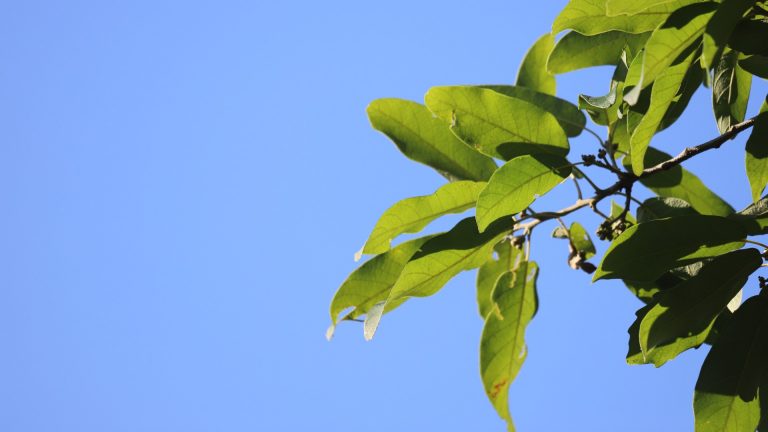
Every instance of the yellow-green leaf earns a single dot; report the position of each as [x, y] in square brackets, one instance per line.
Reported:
[533, 71]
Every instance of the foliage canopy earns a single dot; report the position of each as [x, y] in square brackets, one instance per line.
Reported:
[686, 253]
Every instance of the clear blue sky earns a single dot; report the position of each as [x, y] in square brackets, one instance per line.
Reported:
[183, 186]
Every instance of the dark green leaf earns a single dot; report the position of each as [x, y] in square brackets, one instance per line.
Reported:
[533, 70]
[567, 114]
[659, 208]
[426, 139]
[515, 185]
[590, 17]
[756, 65]
[749, 38]
[576, 51]
[645, 251]
[726, 391]
[684, 314]
[730, 91]
[646, 291]
[496, 124]
[691, 82]
[507, 259]
[756, 159]
[677, 182]
[412, 214]
[720, 27]
[502, 344]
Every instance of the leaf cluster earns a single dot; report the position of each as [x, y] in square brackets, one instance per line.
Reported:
[686, 253]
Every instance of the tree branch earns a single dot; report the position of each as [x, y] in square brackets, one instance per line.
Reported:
[627, 180]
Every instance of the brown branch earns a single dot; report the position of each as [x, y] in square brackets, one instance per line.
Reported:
[627, 180]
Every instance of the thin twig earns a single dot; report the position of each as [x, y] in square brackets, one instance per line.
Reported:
[578, 188]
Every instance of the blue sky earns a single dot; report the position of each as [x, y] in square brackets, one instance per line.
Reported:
[184, 184]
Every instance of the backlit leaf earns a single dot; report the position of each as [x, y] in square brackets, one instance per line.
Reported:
[412, 214]
[590, 17]
[533, 70]
[445, 256]
[507, 259]
[502, 344]
[426, 139]
[576, 51]
[515, 185]
[373, 280]
[496, 124]
[659, 208]
[663, 93]
[631, 7]
[730, 91]
[570, 117]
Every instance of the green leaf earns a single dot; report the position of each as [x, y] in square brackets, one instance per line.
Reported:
[631, 7]
[726, 391]
[507, 258]
[604, 110]
[371, 282]
[570, 117]
[616, 210]
[730, 91]
[720, 27]
[691, 82]
[673, 39]
[683, 315]
[423, 138]
[515, 185]
[645, 251]
[677, 182]
[576, 51]
[502, 344]
[756, 65]
[659, 208]
[646, 291]
[590, 17]
[663, 93]
[413, 214]
[749, 38]
[581, 240]
[445, 256]
[497, 125]
[533, 70]
[756, 159]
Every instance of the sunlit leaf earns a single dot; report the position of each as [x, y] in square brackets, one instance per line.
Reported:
[663, 93]
[730, 91]
[445, 256]
[502, 344]
[533, 70]
[590, 17]
[515, 185]
[426, 139]
[507, 258]
[645, 251]
[682, 316]
[570, 117]
[581, 240]
[412, 214]
[373, 280]
[496, 124]
[576, 51]
[726, 391]
[680, 33]
[631, 7]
